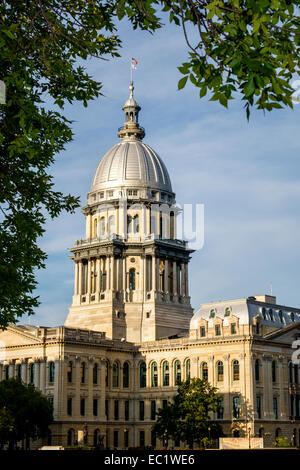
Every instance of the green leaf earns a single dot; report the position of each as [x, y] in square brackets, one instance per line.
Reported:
[182, 82]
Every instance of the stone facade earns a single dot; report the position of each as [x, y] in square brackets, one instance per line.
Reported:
[131, 336]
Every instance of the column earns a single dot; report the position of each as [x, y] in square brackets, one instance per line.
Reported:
[182, 290]
[75, 278]
[112, 266]
[89, 277]
[42, 375]
[58, 396]
[157, 274]
[166, 274]
[80, 277]
[175, 278]
[11, 370]
[186, 279]
[24, 371]
[37, 374]
[98, 277]
[153, 273]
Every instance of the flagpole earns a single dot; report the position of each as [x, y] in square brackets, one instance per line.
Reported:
[130, 72]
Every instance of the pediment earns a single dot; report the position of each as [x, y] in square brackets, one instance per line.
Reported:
[18, 336]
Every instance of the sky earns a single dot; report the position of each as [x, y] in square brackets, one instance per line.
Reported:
[247, 175]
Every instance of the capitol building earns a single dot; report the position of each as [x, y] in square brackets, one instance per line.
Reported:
[131, 335]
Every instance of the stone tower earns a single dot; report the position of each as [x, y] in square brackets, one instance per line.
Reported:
[131, 272]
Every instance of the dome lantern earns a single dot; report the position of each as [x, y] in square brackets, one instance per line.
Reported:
[131, 128]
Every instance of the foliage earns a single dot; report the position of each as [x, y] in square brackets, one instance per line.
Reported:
[188, 417]
[25, 412]
[282, 442]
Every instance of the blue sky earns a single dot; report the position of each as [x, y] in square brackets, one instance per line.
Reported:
[245, 173]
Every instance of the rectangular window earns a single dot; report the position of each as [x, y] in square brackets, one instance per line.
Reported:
[127, 410]
[220, 410]
[69, 407]
[153, 410]
[95, 407]
[116, 438]
[202, 331]
[218, 330]
[82, 406]
[233, 328]
[275, 408]
[116, 410]
[236, 407]
[258, 407]
[142, 410]
[106, 409]
[110, 193]
[164, 404]
[126, 438]
[142, 438]
[153, 438]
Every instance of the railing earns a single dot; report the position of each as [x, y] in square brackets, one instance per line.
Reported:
[125, 128]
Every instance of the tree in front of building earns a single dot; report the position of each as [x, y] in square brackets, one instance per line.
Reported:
[24, 413]
[187, 418]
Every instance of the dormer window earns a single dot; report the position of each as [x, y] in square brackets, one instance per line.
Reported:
[280, 316]
[212, 313]
[263, 313]
[292, 316]
[271, 314]
[227, 312]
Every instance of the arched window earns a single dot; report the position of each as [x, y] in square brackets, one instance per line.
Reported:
[292, 316]
[166, 374]
[257, 371]
[51, 372]
[31, 373]
[236, 407]
[227, 312]
[220, 371]
[136, 224]
[142, 375]
[95, 374]
[129, 224]
[111, 224]
[70, 437]
[273, 371]
[82, 372]
[204, 371]
[132, 279]
[70, 372]
[96, 437]
[125, 375]
[115, 377]
[212, 313]
[177, 373]
[187, 370]
[102, 226]
[154, 375]
[95, 228]
[263, 313]
[271, 314]
[235, 370]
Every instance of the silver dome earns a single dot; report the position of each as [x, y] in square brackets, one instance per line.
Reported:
[131, 163]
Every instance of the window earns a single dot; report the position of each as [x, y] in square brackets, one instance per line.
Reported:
[235, 370]
[111, 224]
[51, 401]
[142, 410]
[95, 374]
[126, 438]
[70, 372]
[19, 371]
[82, 372]
[136, 224]
[212, 313]
[125, 375]
[126, 410]
[236, 407]
[263, 313]
[257, 370]
[116, 439]
[290, 372]
[82, 406]
[69, 406]
[106, 374]
[142, 438]
[95, 407]
[95, 228]
[110, 193]
[131, 279]
[233, 328]
[106, 409]
[273, 371]
[218, 330]
[153, 410]
[220, 371]
[115, 378]
[142, 375]
[96, 437]
[275, 408]
[220, 409]
[280, 314]
[164, 404]
[202, 331]
[296, 373]
[154, 375]
[129, 224]
[271, 314]
[102, 226]
[70, 437]
[153, 438]
[292, 316]
[101, 195]
[177, 373]
[204, 371]
[227, 312]
[116, 410]
[187, 370]
[51, 372]
[31, 373]
[166, 374]
[258, 406]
